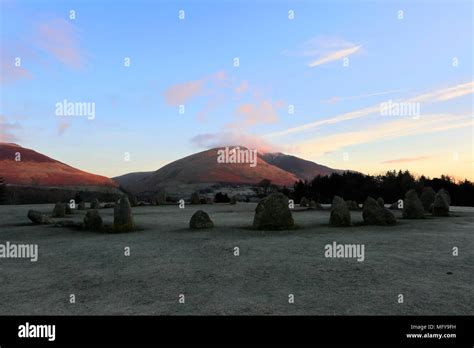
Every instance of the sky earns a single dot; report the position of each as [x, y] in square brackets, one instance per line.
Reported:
[362, 85]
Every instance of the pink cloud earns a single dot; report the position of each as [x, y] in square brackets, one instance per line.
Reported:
[254, 113]
[59, 38]
[235, 138]
[407, 159]
[63, 126]
[9, 73]
[181, 93]
[7, 129]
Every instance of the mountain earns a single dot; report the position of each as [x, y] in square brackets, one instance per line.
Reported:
[203, 167]
[26, 167]
[303, 169]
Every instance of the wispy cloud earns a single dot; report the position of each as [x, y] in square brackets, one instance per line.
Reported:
[446, 93]
[434, 96]
[337, 99]
[407, 159]
[326, 48]
[336, 55]
[387, 130]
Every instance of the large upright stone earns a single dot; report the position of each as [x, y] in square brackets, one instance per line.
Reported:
[200, 220]
[374, 214]
[273, 213]
[81, 206]
[340, 214]
[446, 195]
[123, 219]
[92, 220]
[59, 210]
[412, 206]
[427, 198]
[440, 204]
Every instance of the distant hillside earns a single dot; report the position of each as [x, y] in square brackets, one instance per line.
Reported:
[303, 169]
[36, 169]
[202, 167]
[32, 177]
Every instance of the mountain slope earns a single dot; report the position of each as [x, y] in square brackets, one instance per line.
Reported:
[35, 169]
[303, 169]
[203, 167]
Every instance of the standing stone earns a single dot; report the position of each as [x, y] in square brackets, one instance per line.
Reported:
[374, 214]
[233, 200]
[446, 194]
[273, 213]
[81, 206]
[304, 202]
[380, 202]
[59, 210]
[95, 204]
[441, 205]
[123, 220]
[340, 214]
[67, 209]
[427, 198]
[195, 199]
[39, 218]
[92, 220]
[200, 220]
[412, 206]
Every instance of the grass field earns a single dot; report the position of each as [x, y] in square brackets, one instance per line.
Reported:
[167, 259]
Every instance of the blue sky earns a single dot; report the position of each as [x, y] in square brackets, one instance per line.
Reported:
[283, 62]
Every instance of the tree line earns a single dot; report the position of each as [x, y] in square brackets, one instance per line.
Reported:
[391, 186]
